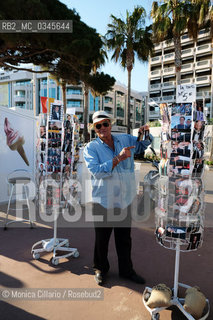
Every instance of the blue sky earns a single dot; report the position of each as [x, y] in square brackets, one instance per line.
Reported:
[96, 13]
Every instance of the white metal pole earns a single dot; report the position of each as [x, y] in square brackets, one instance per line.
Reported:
[177, 263]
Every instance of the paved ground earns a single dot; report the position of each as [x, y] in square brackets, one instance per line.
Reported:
[122, 299]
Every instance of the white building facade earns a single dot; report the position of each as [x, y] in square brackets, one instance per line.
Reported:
[197, 60]
[17, 87]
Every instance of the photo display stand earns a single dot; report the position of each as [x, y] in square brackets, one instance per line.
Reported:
[179, 211]
[71, 186]
[51, 148]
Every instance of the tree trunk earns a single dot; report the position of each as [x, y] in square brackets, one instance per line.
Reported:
[178, 59]
[128, 101]
[64, 96]
[86, 92]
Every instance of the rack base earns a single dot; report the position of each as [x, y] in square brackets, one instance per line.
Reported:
[54, 245]
[178, 302]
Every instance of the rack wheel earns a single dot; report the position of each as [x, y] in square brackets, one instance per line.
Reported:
[76, 254]
[55, 262]
[36, 256]
[155, 316]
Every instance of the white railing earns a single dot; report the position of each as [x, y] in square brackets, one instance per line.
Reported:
[168, 98]
[187, 66]
[155, 73]
[203, 79]
[187, 52]
[157, 46]
[156, 59]
[187, 80]
[169, 70]
[203, 64]
[168, 84]
[204, 94]
[203, 33]
[155, 86]
[168, 44]
[169, 56]
[155, 99]
[204, 48]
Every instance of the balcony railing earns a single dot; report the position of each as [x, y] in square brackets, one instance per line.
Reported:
[203, 79]
[156, 59]
[157, 46]
[169, 70]
[156, 99]
[168, 84]
[168, 98]
[204, 94]
[156, 73]
[187, 80]
[155, 86]
[204, 48]
[203, 33]
[187, 52]
[167, 44]
[203, 64]
[188, 66]
[169, 56]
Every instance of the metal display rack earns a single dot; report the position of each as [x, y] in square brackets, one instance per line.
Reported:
[52, 202]
[176, 301]
[179, 212]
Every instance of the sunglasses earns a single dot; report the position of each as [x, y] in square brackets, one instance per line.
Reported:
[104, 124]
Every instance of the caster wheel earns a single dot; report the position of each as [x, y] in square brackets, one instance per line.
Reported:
[76, 254]
[147, 296]
[55, 262]
[155, 316]
[36, 256]
[67, 245]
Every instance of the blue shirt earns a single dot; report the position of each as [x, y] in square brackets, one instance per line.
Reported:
[113, 188]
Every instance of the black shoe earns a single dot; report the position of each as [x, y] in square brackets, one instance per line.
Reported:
[134, 278]
[99, 277]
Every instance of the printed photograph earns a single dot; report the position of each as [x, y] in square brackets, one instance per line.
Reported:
[194, 241]
[198, 132]
[181, 109]
[181, 123]
[55, 112]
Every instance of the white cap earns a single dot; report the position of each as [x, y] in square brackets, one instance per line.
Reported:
[101, 115]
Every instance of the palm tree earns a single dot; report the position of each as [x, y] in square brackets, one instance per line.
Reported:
[96, 65]
[127, 39]
[97, 83]
[173, 18]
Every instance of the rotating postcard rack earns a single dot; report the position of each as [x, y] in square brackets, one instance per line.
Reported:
[54, 149]
[179, 212]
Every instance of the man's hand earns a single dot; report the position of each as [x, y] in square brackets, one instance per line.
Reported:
[143, 128]
[125, 153]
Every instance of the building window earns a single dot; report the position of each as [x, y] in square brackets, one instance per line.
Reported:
[108, 100]
[43, 92]
[74, 91]
[74, 103]
[44, 81]
[20, 105]
[52, 93]
[23, 82]
[20, 93]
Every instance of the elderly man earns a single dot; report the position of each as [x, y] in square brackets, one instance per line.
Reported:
[110, 160]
